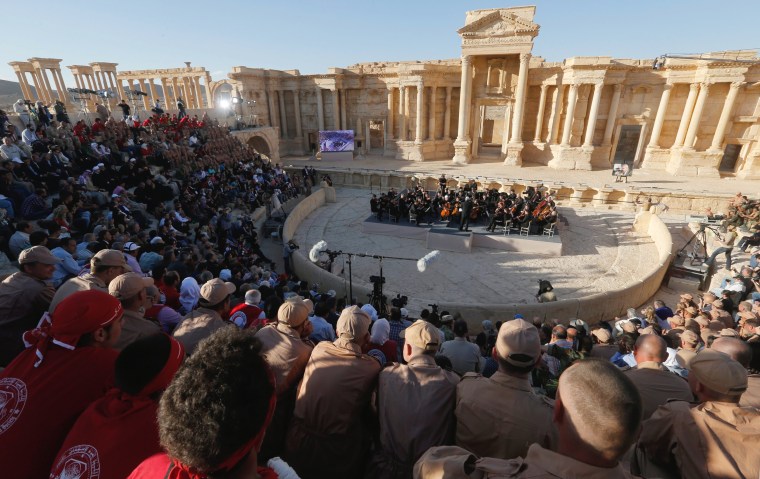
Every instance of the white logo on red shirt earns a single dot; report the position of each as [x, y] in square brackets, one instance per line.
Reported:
[78, 462]
[12, 400]
[240, 319]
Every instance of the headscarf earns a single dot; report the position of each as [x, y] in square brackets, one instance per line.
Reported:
[488, 328]
[189, 294]
[353, 324]
[371, 311]
[78, 314]
[381, 331]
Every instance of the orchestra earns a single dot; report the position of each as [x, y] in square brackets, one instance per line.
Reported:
[533, 209]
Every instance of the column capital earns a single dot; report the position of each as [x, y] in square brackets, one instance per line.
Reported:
[617, 87]
[735, 85]
[598, 83]
[668, 85]
[466, 59]
[693, 86]
[524, 57]
[574, 86]
[544, 87]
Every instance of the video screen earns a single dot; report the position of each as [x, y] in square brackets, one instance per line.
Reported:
[336, 140]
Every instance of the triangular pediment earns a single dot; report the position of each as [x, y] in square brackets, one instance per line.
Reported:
[499, 24]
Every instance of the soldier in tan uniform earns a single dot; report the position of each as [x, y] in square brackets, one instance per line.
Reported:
[198, 324]
[740, 352]
[286, 349]
[415, 404]
[656, 384]
[603, 346]
[129, 288]
[106, 265]
[501, 416]
[590, 444]
[714, 438]
[688, 349]
[329, 435]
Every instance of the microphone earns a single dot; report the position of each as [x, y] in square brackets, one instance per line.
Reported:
[316, 250]
[423, 262]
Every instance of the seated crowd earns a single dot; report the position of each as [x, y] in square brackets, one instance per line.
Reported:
[176, 351]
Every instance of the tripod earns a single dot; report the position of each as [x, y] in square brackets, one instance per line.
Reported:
[698, 252]
[376, 298]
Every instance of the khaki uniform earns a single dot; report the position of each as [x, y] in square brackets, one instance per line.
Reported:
[135, 326]
[415, 405]
[657, 386]
[448, 462]
[501, 416]
[329, 434]
[709, 440]
[197, 326]
[80, 283]
[684, 356]
[285, 353]
[751, 396]
[23, 301]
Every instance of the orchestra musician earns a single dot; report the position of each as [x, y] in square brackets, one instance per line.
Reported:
[464, 219]
[499, 217]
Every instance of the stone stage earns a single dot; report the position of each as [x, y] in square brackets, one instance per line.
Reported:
[441, 236]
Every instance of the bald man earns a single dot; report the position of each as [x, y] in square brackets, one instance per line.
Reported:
[740, 352]
[714, 438]
[656, 384]
[590, 444]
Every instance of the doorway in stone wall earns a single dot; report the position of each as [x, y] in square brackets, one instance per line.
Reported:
[627, 145]
[376, 137]
[730, 155]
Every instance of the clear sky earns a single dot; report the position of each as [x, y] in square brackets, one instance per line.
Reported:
[312, 35]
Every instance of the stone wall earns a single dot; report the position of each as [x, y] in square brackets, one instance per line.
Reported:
[594, 308]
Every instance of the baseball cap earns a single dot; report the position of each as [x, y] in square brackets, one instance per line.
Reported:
[602, 335]
[687, 297]
[216, 290]
[447, 318]
[128, 285]
[404, 313]
[225, 275]
[37, 254]
[294, 311]
[131, 246]
[157, 240]
[423, 335]
[518, 343]
[109, 257]
[719, 372]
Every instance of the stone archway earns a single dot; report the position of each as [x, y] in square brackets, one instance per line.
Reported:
[260, 144]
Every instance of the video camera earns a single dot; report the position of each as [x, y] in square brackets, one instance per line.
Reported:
[399, 301]
[377, 279]
[433, 308]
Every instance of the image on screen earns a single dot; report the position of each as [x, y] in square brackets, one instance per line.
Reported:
[336, 140]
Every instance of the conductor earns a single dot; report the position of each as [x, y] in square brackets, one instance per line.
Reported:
[464, 219]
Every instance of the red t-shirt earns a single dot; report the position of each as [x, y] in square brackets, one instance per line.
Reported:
[161, 467]
[117, 432]
[39, 405]
[246, 316]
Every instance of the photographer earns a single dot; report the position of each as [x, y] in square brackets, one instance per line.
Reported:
[287, 251]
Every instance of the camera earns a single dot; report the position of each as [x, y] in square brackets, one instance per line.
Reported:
[377, 279]
[433, 308]
[399, 301]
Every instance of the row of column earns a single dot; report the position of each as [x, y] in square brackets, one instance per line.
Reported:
[42, 85]
[187, 87]
[692, 115]
[277, 102]
[424, 105]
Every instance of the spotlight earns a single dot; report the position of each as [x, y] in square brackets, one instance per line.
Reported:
[224, 104]
[236, 100]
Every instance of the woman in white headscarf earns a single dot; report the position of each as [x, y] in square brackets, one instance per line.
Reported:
[189, 293]
[379, 339]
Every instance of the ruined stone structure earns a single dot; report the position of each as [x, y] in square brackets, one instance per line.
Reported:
[689, 116]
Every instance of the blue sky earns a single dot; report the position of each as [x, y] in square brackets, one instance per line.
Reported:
[312, 35]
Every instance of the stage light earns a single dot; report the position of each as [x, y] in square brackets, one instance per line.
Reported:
[236, 100]
[224, 104]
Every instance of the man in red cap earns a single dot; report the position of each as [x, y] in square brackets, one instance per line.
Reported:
[120, 430]
[68, 363]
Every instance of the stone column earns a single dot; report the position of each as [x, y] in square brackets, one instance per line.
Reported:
[447, 115]
[283, 113]
[557, 98]
[660, 118]
[78, 81]
[389, 117]
[343, 110]
[402, 113]
[146, 102]
[725, 116]
[418, 136]
[58, 86]
[119, 88]
[505, 130]
[320, 109]
[175, 94]
[522, 90]
[691, 133]
[272, 110]
[540, 116]
[199, 91]
[431, 114]
[153, 91]
[687, 110]
[593, 115]
[571, 99]
[24, 86]
[462, 143]
[297, 106]
[167, 101]
[63, 92]
[336, 109]
[46, 81]
[610, 128]
[130, 82]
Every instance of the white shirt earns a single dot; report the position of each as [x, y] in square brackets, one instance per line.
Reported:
[29, 136]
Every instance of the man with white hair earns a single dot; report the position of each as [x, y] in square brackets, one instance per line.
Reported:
[414, 405]
[248, 314]
[330, 432]
[501, 416]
